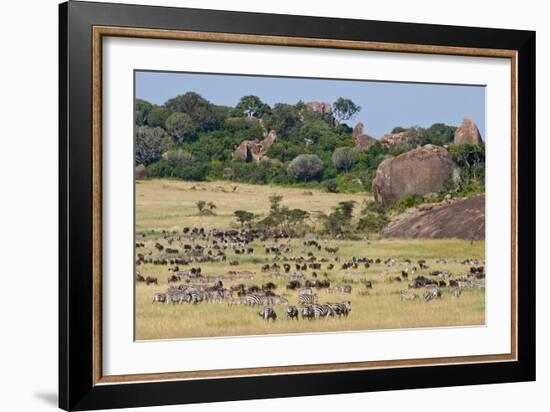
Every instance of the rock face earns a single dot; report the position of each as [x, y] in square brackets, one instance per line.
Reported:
[391, 140]
[461, 219]
[420, 171]
[141, 172]
[467, 132]
[254, 150]
[362, 140]
[319, 107]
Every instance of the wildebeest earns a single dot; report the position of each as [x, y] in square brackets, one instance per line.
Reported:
[294, 284]
[291, 312]
[268, 313]
[269, 286]
[150, 279]
[307, 312]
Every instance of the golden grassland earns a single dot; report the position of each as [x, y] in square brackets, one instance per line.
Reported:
[170, 205]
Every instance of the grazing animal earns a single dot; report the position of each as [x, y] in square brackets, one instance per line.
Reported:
[307, 299]
[322, 311]
[341, 309]
[294, 284]
[291, 312]
[150, 279]
[432, 293]
[159, 297]
[268, 313]
[307, 312]
[269, 286]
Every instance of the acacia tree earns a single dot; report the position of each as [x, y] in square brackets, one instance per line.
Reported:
[253, 106]
[157, 116]
[244, 217]
[142, 108]
[150, 144]
[180, 126]
[344, 109]
[343, 158]
[204, 114]
[305, 167]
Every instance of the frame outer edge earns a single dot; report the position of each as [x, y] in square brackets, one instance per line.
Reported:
[76, 361]
[63, 375]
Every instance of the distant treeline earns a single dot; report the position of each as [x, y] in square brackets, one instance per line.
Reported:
[190, 138]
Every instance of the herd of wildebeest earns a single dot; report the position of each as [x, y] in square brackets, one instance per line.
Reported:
[309, 277]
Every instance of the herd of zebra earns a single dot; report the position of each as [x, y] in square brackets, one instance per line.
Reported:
[306, 275]
[309, 307]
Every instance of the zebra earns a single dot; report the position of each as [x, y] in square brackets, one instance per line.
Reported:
[432, 293]
[159, 297]
[341, 309]
[173, 298]
[268, 313]
[307, 299]
[291, 312]
[408, 295]
[257, 300]
[305, 291]
[322, 311]
[192, 296]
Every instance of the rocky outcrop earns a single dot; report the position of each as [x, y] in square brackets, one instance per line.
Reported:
[319, 107]
[467, 133]
[141, 172]
[420, 171]
[361, 140]
[460, 219]
[391, 140]
[255, 150]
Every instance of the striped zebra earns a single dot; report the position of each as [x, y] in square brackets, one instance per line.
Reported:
[173, 298]
[307, 299]
[159, 297]
[341, 309]
[253, 300]
[322, 311]
[432, 293]
[192, 296]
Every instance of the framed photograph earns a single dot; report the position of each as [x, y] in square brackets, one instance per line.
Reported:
[257, 206]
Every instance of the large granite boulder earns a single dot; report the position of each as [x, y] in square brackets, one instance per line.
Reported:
[420, 171]
[361, 140]
[467, 132]
[255, 150]
[319, 107]
[391, 140]
[459, 219]
[141, 172]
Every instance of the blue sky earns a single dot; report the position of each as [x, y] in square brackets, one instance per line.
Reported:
[385, 105]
